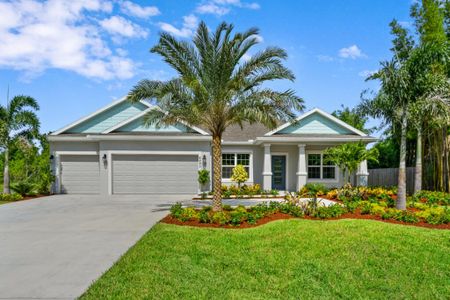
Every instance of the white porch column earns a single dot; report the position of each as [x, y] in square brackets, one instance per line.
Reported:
[301, 170]
[362, 175]
[267, 171]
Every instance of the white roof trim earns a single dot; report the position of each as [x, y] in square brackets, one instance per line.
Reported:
[81, 120]
[325, 114]
[303, 139]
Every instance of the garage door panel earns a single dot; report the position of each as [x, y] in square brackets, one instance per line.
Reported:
[155, 174]
[80, 174]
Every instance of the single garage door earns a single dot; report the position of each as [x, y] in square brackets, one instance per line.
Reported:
[155, 174]
[80, 174]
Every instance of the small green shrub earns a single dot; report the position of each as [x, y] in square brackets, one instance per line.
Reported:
[24, 188]
[238, 217]
[313, 189]
[365, 207]
[189, 214]
[220, 217]
[407, 217]
[227, 194]
[432, 197]
[11, 197]
[332, 211]
[203, 176]
[204, 216]
[377, 209]
[176, 210]
[351, 206]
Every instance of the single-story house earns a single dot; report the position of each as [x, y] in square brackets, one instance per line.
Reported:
[111, 152]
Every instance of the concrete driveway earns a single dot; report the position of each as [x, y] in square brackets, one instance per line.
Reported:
[55, 247]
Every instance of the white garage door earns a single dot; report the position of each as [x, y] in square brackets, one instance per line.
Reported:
[155, 174]
[80, 174]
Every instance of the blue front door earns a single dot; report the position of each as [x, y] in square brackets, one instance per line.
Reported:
[279, 172]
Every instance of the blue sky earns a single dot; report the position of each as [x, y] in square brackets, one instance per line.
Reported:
[75, 56]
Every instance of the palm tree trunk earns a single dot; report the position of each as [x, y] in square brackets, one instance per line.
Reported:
[401, 194]
[6, 189]
[217, 172]
[418, 171]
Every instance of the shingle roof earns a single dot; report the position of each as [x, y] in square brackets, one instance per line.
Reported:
[248, 132]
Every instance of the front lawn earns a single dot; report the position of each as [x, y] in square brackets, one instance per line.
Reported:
[295, 258]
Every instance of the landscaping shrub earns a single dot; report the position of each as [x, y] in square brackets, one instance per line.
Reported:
[435, 215]
[204, 216]
[227, 207]
[203, 176]
[332, 211]
[220, 217]
[24, 188]
[274, 192]
[10, 197]
[432, 197]
[189, 214]
[176, 210]
[377, 209]
[313, 189]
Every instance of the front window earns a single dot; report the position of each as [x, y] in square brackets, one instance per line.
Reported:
[319, 168]
[231, 160]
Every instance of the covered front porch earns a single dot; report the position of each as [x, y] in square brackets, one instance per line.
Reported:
[288, 167]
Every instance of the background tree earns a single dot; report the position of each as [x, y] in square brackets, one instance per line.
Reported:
[353, 117]
[18, 120]
[215, 87]
[348, 157]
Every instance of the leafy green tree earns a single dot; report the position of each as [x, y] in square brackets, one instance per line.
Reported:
[17, 120]
[348, 157]
[239, 175]
[216, 87]
[353, 118]
[388, 149]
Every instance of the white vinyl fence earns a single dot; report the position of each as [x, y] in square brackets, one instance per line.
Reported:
[389, 177]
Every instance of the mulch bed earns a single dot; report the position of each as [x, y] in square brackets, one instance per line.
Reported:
[280, 216]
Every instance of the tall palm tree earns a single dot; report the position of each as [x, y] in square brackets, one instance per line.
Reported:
[391, 103]
[217, 86]
[17, 120]
[430, 112]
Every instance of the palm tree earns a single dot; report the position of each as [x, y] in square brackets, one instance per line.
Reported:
[430, 112]
[218, 86]
[17, 120]
[348, 157]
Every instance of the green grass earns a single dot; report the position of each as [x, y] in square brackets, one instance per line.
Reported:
[298, 259]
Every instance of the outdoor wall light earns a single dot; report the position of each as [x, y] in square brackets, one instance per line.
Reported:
[104, 159]
[204, 161]
[51, 157]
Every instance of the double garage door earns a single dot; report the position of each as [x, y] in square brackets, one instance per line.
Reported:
[131, 174]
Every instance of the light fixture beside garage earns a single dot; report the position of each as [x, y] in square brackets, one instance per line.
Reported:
[104, 159]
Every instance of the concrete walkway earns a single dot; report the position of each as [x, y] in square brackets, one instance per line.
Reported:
[55, 247]
[249, 202]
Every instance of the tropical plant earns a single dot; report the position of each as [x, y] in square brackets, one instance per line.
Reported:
[239, 175]
[353, 117]
[18, 120]
[203, 177]
[348, 157]
[216, 86]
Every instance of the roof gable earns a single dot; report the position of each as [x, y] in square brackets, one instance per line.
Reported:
[137, 125]
[316, 121]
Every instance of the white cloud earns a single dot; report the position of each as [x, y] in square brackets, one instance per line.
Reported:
[119, 26]
[223, 7]
[136, 10]
[352, 52]
[64, 34]
[246, 57]
[211, 8]
[367, 73]
[189, 25]
[259, 38]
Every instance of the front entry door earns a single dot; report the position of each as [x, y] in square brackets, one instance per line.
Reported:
[279, 172]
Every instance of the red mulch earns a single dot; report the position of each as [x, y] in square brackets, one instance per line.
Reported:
[280, 216]
[34, 197]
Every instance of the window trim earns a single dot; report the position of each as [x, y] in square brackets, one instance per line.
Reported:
[250, 167]
[321, 179]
